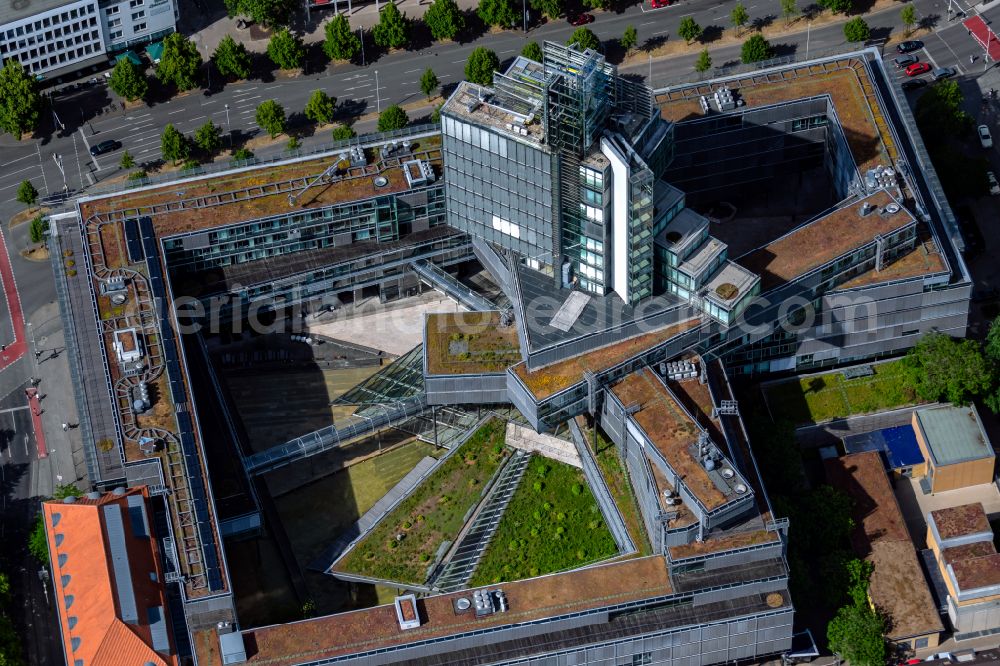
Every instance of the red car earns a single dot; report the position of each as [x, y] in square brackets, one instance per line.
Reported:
[581, 19]
[918, 68]
[657, 4]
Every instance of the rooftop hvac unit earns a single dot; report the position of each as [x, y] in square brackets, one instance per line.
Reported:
[866, 209]
[724, 99]
[890, 209]
[705, 107]
[472, 106]
[358, 157]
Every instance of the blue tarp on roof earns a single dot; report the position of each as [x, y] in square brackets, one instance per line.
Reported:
[898, 445]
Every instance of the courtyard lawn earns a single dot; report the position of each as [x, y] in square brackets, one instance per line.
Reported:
[432, 514]
[552, 524]
[830, 396]
[616, 477]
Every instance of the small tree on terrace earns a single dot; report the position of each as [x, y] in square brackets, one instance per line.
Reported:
[629, 39]
[739, 17]
[343, 132]
[532, 51]
[173, 144]
[856, 30]
[755, 49]
[271, 117]
[497, 12]
[26, 193]
[689, 29]
[584, 38]
[704, 62]
[320, 107]
[286, 50]
[128, 81]
[179, 62]
[340, 42]
[231, 58]
[788, 10]
[208, 137]
[429, 82]
[444, 19]
[36, 231]
[908, 15]
[393, 118]
[392, 30]
[127, 161]
[480, 66]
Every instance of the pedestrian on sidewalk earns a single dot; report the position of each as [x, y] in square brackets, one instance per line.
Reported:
[65, 427]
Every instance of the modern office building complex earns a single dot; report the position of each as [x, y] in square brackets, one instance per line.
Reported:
[640, 261]
[54, 37]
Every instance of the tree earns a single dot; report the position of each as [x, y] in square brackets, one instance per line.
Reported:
[704, 62]
[856, 634]
[343, 132]
[837, 6]
[11, 653]
[242, 154]
[908, 14]
[393, 118]
[20, 103]
[340, 42]
[429, 82]
[128, 81]
[755, 49]
[597, 4]
[26, 193]
[64, 490]
[37, 229]
[856, 30]
[179, 62]
[173, 144]
[739, 17]
[267, 12]
[271, 117]
[551, 8]
[497, 12]
[127, 161]
[320, 107]
[232, 58]
[392, 30]
[939, 113]
[689, 29]
[788, 10]
[826, 519]
[480, 66]
[629, 38]
[208, 137]
[444, 19]
[584, 38]
[941, 367]
[38, 544]
[532, 51]
[286, 50]
[436, 118]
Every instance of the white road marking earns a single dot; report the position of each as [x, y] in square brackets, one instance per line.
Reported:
[17, 160]
[170, 113]
[661, 32]
[455, 62]
[647, 23]
[409, 71]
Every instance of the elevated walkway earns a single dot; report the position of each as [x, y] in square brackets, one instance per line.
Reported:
[444, 282]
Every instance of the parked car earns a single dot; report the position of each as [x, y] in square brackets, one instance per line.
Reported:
[917, 69]
[909, 46]
[105, 147]
[939, 655]
[905, 60]
[914, 84]
[581, 19]
[991, 178]
[943, 73]
[657, 4]
[985, 137]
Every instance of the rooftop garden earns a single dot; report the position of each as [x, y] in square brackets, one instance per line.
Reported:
[553, 378]
[616, 477]
[402, 546]
[552, 524]
[818, 398]
[924, 259]
[465, 343]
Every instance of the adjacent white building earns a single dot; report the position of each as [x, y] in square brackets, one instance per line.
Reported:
[54, 37]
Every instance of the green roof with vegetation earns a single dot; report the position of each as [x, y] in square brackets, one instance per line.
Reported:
[465, 343]
[432, 514]
[552, 524]
[818, 398]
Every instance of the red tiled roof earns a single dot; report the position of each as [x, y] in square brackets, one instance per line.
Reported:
[85, 580]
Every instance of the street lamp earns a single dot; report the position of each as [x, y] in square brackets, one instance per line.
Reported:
[229, 128]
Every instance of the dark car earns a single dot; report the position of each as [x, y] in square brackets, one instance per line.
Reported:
[105, 147]
[914, 84]
[581, 19]
[907, 47]
[905, 60]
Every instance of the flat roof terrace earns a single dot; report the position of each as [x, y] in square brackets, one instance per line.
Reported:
[671, 431]
[958, 521]
[925, 259]
[528, 600]
[469, 343]
[814, 244]
[484, 106]
[845, 80]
